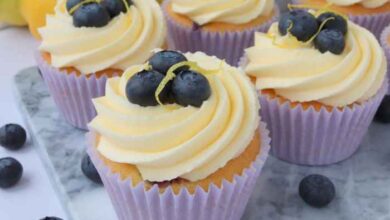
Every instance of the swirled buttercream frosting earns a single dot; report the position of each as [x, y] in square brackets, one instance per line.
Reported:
[168, 142]
[125, 41]
[364, 3]
[227, 11]
[302, 73]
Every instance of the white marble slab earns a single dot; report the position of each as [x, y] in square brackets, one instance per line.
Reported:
[362, 182]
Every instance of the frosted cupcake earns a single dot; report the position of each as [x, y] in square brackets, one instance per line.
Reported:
[385, 42]
[320, 85]
[86, 42]
[371, 14]
[216, 27]
[197, 157]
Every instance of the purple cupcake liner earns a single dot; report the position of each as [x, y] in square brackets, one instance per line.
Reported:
[72, 94]
[310, 137]
[225, 45]
[227, 202]
[386, 47]
[373, 22]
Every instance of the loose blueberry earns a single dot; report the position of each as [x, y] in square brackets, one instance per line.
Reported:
[115, 7]
[190, 88]
[337, 23]
[383, 113]
[71, 3]
[91, 15]
[163, 60]
[303, 24]
[141, 88]
[51, 218]
[330, 40]
[89, 170]
[12, 136]
[10, 172]
[317, 190]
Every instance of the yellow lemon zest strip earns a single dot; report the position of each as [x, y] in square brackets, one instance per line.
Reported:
[126, 4]
[319, 30]
[74, 8]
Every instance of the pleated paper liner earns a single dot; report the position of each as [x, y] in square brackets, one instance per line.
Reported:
[227, 45]
[72, 93]
[227, 202]
[373, 22]
[385, 42]
[311, 137]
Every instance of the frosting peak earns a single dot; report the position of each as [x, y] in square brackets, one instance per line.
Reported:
[125, 41]
[205, 138]
[303, 73]
[227, 11]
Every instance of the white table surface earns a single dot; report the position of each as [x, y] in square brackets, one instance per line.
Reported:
[33, 198]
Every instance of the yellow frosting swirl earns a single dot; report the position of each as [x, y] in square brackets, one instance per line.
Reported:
[365, 3]
[187, 142]
[302, 73]
[126, 40]
[227, 11]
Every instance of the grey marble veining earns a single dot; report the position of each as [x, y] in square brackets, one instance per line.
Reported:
[362, 182]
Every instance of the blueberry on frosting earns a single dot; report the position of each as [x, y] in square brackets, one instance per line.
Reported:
[70, 4]
[170, 78]
[91, 15]
[298, 23]
[190, 88]
[333, 21]
[330, 40]
[95, 13]
[165, 59]
[115, 7]
[141, 88]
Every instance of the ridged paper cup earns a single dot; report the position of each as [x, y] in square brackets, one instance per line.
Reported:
[227, 202]
[385, 37]
[310, 137]
[228, 45]
[374, 22]
[72, 94]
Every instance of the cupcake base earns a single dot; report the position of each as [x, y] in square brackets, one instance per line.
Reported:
[72, 93]
[311, 137]
[227, 45]
[225, 202]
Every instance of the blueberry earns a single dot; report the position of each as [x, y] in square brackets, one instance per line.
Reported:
[10, 172]
[91, 15]
[141, 88]
[163, 60]
[317, 190]
[89, 170]
[190, 88]
[71, 3]
[337, 23]
[383, 113]
[115, 7]
[51, 218]
[330, 40]
[12, 136]
[303, 24]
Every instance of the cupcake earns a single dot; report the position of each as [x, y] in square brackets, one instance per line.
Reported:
[179, 137]
[385, 42]
[371, 14]
[86, 42]
[220, 28]
[319, 85]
